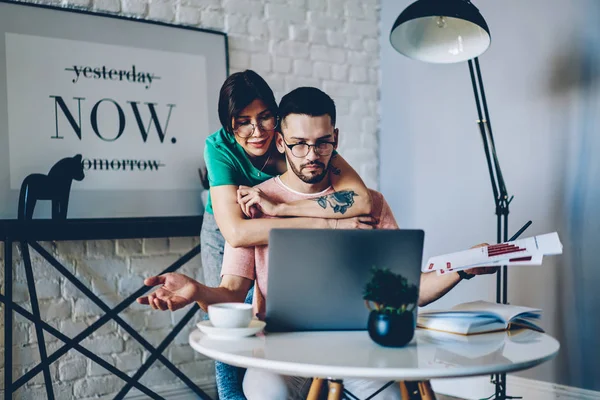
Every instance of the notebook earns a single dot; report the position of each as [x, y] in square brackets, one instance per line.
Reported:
[480, 317]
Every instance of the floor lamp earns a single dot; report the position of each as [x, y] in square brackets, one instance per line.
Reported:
[452, 31]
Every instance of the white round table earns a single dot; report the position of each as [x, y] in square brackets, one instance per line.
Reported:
[344, 354]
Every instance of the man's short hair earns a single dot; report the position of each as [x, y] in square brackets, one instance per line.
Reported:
[307, 101]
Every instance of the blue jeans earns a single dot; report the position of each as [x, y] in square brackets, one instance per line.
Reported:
[229, 378]
[212, 244]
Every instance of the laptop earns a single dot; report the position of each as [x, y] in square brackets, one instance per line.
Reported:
[316, 277]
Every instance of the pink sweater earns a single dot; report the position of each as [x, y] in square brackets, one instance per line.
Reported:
[253, 263]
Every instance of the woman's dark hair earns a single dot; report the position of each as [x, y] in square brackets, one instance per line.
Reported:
[238, 91]
[307, 101]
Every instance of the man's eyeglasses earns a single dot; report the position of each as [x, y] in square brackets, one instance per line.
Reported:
[246, 129]
[301, 150]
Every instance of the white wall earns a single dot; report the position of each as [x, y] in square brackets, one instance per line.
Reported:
[331, 44]
[432, 166]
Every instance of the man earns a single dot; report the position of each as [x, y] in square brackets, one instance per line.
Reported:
[308, 139]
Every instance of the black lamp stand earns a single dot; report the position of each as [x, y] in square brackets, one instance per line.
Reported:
[501, 199]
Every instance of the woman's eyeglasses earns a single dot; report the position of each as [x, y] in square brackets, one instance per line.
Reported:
[246, 129]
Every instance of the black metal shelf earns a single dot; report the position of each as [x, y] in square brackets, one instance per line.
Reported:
[99, 229]
[27, 233]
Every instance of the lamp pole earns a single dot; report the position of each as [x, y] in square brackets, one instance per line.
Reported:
[501, 199]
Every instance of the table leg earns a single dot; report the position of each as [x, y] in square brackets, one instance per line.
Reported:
[315, 389]
[35, 308]
[416, 390]
[336, 390]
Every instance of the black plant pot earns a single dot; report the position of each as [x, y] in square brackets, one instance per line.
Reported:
[391, 330]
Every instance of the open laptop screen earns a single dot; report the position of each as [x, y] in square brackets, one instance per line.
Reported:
[316, 277]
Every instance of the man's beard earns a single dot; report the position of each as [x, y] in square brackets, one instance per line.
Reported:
[310, 178]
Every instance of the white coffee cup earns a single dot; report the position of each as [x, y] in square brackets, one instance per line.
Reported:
[230, 315]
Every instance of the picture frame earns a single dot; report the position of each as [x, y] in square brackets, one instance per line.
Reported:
[135, 98]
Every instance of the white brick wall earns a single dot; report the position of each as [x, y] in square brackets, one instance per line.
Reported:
[331, 44]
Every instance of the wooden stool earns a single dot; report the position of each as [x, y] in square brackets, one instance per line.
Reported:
[417, 390]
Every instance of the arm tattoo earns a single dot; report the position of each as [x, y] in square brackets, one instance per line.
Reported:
[339, 201]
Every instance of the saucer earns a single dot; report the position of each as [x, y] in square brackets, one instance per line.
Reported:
[231, 333]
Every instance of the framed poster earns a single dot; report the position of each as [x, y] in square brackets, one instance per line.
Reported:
[136, 99]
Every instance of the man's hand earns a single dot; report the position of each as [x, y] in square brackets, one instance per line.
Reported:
[360, 222]
[177, 291]
[481, 270]
[253, 199]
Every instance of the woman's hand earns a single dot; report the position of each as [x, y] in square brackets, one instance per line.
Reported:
[177, 291]
[252, 201]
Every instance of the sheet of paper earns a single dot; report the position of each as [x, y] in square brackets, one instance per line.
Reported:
[535, 260]
[528, 251]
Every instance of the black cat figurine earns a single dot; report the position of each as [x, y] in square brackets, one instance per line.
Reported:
[55, 186]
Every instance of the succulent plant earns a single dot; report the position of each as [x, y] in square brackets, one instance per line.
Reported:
[389, 292]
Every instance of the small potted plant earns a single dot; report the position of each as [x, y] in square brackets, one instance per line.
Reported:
[391, 300]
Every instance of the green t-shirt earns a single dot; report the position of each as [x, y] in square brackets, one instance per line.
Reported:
[227, 164]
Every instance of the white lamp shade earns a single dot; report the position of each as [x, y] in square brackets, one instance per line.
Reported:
[427, 32]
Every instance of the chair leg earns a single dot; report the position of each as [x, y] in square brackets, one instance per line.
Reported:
[336, 390]
[315, 389]
[426, 390]
[416, 390]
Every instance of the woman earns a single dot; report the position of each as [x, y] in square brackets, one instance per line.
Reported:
[242, 154]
